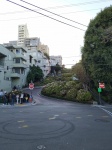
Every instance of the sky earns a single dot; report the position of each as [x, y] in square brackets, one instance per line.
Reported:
[65, 39]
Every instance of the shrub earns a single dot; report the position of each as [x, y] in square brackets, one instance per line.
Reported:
[84, 96]
[71, 94]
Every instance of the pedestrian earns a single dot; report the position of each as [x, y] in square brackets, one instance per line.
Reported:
[5, 97]
[14, 88]
[13, 97]
[26, 97]
[17, 98]
[21, 98]
[1, 93]
[18, 88]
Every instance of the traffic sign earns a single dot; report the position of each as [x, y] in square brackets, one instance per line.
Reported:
[99, 90]
[101, 85]
[31, 86]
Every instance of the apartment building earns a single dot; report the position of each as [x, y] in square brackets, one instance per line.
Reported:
[39, 59]
[6, 63]
[32, 43]
[44, 63]
[17, 68]
[22, 34]
[56, 60]
[44, 48]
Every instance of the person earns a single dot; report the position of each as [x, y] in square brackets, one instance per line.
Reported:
[2, 95]
[26, 97]
[5, 97]
[13, 97]
[17, 98]
[14, 88]
[21, 98]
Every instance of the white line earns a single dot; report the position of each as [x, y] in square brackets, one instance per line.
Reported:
[108, 112]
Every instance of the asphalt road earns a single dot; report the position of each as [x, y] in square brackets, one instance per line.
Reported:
[52, 124]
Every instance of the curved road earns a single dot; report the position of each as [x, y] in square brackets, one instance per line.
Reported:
[53, 124]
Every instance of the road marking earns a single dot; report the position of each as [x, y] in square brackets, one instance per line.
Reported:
[78, 117]
[25, 126]
[56, 115]
[64, 113]
[52, 118]
[20, 121]
[108, 112]
[105, 116]
[89, 115]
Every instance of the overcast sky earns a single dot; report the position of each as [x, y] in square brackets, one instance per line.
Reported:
[61, 39]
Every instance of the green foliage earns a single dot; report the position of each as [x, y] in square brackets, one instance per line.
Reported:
[57, 68]
[67, 74]
[66, 90]
[47, 56]
[84, 96]
[35, 74]
[71, 94]
[97, 50]
[80, 72]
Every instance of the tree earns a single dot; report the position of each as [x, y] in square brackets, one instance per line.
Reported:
[97, 50]
[35, 74]
[57, 68]
[80, 73]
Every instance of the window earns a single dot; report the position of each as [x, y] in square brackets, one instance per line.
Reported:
[17, 60]
[17, 51]
[22, 71]
[16, 70]
[9, 57]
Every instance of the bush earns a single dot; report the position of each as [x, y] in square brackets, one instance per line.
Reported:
[84, 96]
[71, 95]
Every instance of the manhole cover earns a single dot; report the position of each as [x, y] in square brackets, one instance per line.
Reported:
[102, 120]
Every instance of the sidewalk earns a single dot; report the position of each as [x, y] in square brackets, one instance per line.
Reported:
[16, 105]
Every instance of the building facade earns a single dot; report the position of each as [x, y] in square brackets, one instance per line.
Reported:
[56, 60]
[44, 48]
[22, 34]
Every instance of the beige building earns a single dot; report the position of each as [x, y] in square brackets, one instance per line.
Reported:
[44, 48]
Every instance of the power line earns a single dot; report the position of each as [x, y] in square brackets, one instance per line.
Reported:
[44, 15]
[78, 4]
[53, 13]
[14, 12]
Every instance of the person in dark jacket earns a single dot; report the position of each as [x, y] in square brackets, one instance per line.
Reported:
[13, 97]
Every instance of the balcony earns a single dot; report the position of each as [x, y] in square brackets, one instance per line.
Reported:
[2, 53]
[19, 65]
[15, 75]
[20, 56]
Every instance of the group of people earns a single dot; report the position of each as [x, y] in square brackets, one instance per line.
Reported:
[11, 98]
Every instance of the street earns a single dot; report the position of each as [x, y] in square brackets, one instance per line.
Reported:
[53, 124]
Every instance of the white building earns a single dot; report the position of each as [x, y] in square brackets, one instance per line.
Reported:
[22, 34]
[38, 58]
[44, 63]
[56, 60]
